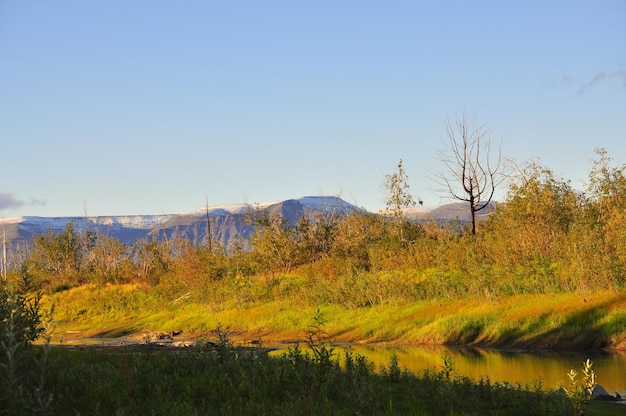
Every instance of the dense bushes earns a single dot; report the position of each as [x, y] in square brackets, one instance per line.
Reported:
[23, 386]
[219, 379]
[545, 237]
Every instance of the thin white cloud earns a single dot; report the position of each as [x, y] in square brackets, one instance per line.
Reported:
[565, 79]
[603, 76]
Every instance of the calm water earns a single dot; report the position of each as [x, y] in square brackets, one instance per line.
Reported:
[515, 367]
[502, 366]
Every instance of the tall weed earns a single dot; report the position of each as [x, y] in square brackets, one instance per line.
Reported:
[24, 387]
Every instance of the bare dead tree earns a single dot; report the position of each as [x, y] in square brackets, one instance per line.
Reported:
[4, 252]
[473, 175]
[208, 227]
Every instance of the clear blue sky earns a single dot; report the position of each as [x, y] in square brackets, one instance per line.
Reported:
[150, 107]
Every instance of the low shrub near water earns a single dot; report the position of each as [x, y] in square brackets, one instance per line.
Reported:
[220, 379]
[23, 368]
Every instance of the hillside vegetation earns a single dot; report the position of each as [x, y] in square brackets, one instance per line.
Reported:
[545, 270]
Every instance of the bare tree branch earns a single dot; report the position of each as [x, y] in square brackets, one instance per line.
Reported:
[472, 174]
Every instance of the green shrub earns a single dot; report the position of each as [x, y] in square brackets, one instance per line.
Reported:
[23, 384]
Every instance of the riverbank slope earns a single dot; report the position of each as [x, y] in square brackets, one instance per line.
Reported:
[534, 322]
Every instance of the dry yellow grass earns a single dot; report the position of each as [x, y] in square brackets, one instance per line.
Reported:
[544, 321]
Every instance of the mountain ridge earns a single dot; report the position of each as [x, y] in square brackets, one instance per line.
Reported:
[230, 224]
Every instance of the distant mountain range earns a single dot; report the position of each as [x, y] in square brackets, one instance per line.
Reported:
[229, 224]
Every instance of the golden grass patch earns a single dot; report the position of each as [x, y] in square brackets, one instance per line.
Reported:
[524, 320]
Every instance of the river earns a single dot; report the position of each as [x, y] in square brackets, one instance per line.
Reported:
[514, 367]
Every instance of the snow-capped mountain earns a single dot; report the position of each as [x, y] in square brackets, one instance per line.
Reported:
[230, 225]
[125, 228]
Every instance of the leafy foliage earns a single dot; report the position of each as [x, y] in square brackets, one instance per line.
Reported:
[545, 238]
[397, 192]
[23, 386]
[20, 316]
[579, 391]
[220, 379]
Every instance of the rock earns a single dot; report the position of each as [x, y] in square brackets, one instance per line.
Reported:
[158, 335]
[182, 344]
[599, 393]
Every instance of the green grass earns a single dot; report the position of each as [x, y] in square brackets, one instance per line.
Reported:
[598, 408]
[228, 381]
[523, 321]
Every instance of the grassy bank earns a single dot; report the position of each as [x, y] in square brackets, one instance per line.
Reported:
[563, 321]
[222, 380]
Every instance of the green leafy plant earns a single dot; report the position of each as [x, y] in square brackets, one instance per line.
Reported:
[579, 391]
[392, 370]
[447, 369]
[23, 368]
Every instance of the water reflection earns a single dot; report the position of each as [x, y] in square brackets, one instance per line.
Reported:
[515, 367]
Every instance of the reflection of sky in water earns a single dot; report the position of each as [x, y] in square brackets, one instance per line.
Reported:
[502, 366]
